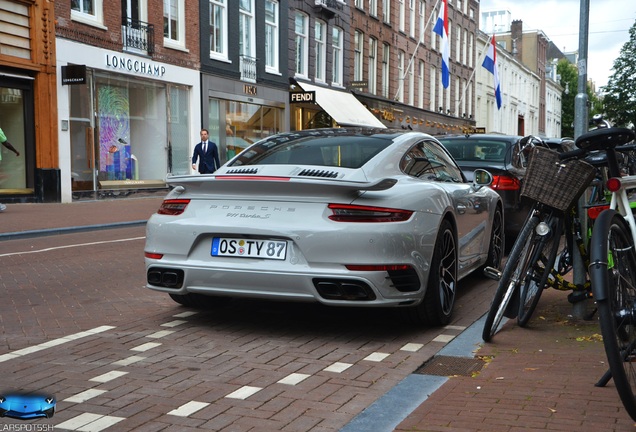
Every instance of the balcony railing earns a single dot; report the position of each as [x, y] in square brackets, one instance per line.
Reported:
[138, 36]
[248, 69]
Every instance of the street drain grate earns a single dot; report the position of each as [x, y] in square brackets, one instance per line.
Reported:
[449, 366]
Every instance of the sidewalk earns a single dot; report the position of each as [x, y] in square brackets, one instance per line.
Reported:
[32, 220]
[534, 379]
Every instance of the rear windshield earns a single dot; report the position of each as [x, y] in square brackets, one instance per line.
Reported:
[335, 151]
[476, 149]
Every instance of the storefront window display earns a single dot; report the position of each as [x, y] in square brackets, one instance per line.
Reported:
[12, 122]
[235, 125]
[139, 134]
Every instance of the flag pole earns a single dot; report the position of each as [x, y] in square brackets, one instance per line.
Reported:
[419, 42]
[481, 58]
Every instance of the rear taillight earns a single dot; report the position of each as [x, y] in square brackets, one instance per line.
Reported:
[153, 255]
[613, 184]
[504, 182]
[355, 213]
[173, 207]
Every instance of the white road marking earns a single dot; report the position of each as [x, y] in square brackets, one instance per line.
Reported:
[146, 346]
[376, 357]
[444, 338]
[160, 334]
[294, 379]
[173, 323]
[85, 395]
[108, 376]
[71, 246]
[411, 347]
[338, 367]
[189, 408]
[185, 314]
[244, 392]
[453, 327]
[128, 361]
[52, 343]
[89, 422]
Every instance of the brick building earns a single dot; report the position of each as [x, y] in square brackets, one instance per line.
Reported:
[129, 91]
[27, 93]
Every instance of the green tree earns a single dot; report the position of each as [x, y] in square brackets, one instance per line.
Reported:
[570, 81]
[619, 98]
[569, 78]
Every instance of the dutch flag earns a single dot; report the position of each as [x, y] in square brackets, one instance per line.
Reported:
[441, 28]
[490, 63]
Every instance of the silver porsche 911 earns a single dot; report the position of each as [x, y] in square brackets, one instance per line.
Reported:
[344, 217]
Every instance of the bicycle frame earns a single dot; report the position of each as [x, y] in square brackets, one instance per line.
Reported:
[621, 204]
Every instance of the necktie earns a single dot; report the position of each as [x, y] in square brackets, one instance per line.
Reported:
[205, 147]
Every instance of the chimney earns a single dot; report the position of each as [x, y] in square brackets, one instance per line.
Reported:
[516, 35]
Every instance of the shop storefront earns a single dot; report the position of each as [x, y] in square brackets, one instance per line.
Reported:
[126, 122]
[315, 106]
[239, 114]
[16, 121]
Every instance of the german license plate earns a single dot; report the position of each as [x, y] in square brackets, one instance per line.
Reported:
[249, 248]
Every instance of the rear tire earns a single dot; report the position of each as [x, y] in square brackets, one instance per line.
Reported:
[613, 275]
[436, 309]
[497, 241]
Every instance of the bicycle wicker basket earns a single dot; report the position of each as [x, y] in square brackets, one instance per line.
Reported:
[553, 182]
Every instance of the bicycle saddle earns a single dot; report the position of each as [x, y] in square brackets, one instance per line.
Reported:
[604, 138]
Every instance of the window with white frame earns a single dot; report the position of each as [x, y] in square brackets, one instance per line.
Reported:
[412, 29]
[470, 49]
[302, 43]
[359, 4]
[401, 77]
[174, 23]
[373, 8]
[337, 45]
[373, 66]
[386, 59]
[458, 43]
[411, 86]
[358, 49]
[422, 14]
[465, 47]
[218, 29]
[420, 84]
[386, 11]
[271, 36]
[246, 28]
[320, 39]
[401, 17]
[432, 82]
[88, 11]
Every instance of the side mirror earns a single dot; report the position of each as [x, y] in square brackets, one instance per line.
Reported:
[482, 178]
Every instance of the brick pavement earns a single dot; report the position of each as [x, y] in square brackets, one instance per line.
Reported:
[536, 379]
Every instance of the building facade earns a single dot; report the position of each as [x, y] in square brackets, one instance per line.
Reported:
[397, 60]
[27, 93]
[244, 71]
[128, 95]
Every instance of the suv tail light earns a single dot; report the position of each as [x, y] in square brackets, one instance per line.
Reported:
[356, 213]
[173, 207]
[505, 182]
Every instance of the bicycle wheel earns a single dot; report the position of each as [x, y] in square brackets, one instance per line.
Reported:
[508, 287]
[543, 255]
[613, 275]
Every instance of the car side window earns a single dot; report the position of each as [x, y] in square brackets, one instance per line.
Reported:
[428, 160]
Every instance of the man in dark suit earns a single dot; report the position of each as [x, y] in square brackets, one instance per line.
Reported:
[207, 154]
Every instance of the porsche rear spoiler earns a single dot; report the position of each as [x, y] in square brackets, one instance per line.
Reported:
[242, 185]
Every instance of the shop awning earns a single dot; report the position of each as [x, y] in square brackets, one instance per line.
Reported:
[343, 107]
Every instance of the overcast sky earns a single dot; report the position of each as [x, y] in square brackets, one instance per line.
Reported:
[609, 24]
